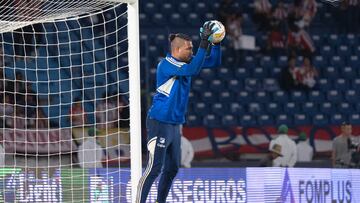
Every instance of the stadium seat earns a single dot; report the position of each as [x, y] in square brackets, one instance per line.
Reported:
[216, 85]
[355, 84]
[259, 72]
[284, 119]
[343, 51]
[218, 108]
[337, 119]
[273, 108]
[236, 108]
[334, 96]
[354, 61]
[167, 8]
[193, 120]
[336, 61]
[252, 84]
[280, 96]
[301, 119]
[265, 120]
[211, 121]
[271, 84]
[194, 19]
[226, 96]
[309, 108]
[177, 19]
[201, 7]
[274, 72]
[200, 108]
[327, 108]
[199, 85]
[261, 97]
[247, 120]
[298, 96]
[348, 72]
[225, 73]
[184, 8]
[352, 96]
[255, 108]
[282, 61]
[234, 85]
[209, 96]
[316, 96]
[341, 84]
[319, 62]
[324, 84]
[207, 74]
[320, 120]
[330, 72]
[241, 73]
[345, 108]
[334, 40]
[354, 119]
[327, 51]
[244, 97]
[249, 62]
[291, 108]
[351, 39]
[159, 19]
[229, 121]
[267, 62]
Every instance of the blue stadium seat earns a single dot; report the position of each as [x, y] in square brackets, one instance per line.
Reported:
[334, 96]
[282, 61]
[320, 62]
[301, 119]
[234, 85]
[149, 8]
[236, 108]
[327, 108]
[352, 96]
[244, 97]
[200, 108]
[159, 19]
[345, 108]
[309, 108]
[201, 7]
[229, 120]
[265, 120]
[354, 119]
[273, 108]
[356, 50]
[330, 72]
[255, 108]
[247, 120]
[298, 96]
[316, 96]
[334, 40]
[324, 84]
[354, 61]
[218, 108]
[242, 73]
[267, 62]
[336, 61]
[193, 120]
[291, 108]
[207, 74]
[209, 96]
[177, 19]
[327, 51]
[274, 72]
[225, 73]
[348, 72]
[351, 39]
[337, 119]
[271, 84]
[317, 40]
[343, 51]
[261, 97]
[341, 84]
[194, 19]
[226, 96]
[167, 8]
[284, 119]
[199, 85]
[252, 84]
[280, 96]
[249, 62]
[355, 84]
[320, 120]
[211, 121]
[184, 8]
[216, 85]
[259, 72]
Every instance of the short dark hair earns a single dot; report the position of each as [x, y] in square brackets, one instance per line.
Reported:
[172, 36]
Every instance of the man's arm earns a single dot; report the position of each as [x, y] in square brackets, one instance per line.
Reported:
[214, 59]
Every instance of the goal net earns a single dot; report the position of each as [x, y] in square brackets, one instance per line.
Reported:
[65, 92]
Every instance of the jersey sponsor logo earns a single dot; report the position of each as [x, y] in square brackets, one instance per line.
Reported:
[161, 142]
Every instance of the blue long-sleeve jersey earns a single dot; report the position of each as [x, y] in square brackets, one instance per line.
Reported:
[174, 82]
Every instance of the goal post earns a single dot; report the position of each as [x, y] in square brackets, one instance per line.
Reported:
[67, 53]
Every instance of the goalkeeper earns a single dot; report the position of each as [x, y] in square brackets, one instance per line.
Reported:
[168, 109]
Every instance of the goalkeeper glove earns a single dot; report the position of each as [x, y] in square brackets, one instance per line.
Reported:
[205, 33]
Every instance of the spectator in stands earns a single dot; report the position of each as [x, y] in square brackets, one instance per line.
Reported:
[305, 76]
[106, 113]
[343, 147]
[300, 42]
[279, 16]
[276, 42]
[286, 80]
[77, 114]
[225, 10]
[262, 14]
[187, 151]
[285, 146]
[233, 26]
[90, 153]
[304, 150]
[309, 10]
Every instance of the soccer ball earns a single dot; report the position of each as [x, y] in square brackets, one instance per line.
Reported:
[219, 32]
